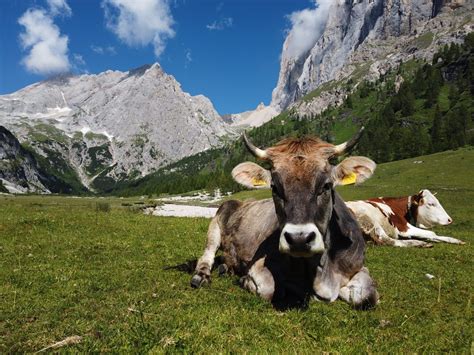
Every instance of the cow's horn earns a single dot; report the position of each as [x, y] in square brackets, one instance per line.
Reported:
[347, 146]
[257, 152]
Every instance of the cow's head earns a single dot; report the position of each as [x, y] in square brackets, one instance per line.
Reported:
[429, 213]
[302, 182]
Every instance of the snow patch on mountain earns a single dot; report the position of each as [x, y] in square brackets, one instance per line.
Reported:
[253, 118]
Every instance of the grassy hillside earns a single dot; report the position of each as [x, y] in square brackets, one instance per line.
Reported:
[449, 173]
[69, 266]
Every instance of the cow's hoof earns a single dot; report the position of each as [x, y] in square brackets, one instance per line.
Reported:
[199, 280]
[222, 269]
[248, 283]
[370, 302]
[317, 298]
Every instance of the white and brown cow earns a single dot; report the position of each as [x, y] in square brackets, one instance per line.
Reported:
[304, 242]
[385, 220]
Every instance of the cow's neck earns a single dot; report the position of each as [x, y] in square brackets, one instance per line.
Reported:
[412, 210]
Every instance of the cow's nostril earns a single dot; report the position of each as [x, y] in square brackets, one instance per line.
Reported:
[288, 238]
[450, 221]
[310, 237]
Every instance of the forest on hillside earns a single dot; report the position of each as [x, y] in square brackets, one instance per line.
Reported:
[415, 109]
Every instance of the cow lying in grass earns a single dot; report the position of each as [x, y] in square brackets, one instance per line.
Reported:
[304, 242]
[385, 220]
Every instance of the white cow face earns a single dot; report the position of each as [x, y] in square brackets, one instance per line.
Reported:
[430, 211]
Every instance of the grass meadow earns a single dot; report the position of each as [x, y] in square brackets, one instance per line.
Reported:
[69, 267]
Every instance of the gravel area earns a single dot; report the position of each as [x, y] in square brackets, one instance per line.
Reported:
[182, 211]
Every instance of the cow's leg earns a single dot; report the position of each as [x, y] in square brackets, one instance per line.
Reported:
[360, 292]
[343, 271]
[202, 274]
[328, 281]
[415, 232]
[222, 269]
[378, 234]
[259, 280]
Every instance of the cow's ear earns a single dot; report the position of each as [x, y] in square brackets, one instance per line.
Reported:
[353, 170]
[252, 176]
[418, 198]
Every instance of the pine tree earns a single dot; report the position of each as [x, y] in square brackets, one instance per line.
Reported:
[458, 122]
[453, 95]
[435, 80]
[438, 134]
[407, 100]
[349, 102]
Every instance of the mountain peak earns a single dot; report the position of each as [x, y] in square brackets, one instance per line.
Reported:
[260, 106]
[139, 70]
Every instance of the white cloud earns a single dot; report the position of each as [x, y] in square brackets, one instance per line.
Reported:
[188, 58]
[48, 49]
[79, 64]
[59, 7]
[97, 49]
[307, 27]
[79, 60]
[139, 23]
[221, 24]
[110, 50]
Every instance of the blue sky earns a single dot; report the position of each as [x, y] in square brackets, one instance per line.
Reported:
[226, 50]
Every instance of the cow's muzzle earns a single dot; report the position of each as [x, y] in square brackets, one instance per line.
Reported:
[301, 240]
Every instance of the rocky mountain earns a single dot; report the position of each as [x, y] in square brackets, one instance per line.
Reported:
[252, 118]
[113, 126]
[362, 40]
[20, 171]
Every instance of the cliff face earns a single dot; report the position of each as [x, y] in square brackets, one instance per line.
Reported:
[359, 37]
[19, 170]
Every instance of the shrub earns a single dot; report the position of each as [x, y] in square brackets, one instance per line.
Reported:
[102, 207]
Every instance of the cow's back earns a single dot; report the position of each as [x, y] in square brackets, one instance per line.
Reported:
[370, 218]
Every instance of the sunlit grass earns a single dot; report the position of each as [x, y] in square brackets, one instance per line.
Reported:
[69, 268]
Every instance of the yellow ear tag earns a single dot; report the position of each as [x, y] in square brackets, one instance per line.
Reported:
[349, 179]
[258, 182]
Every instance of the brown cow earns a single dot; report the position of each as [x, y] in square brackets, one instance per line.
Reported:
[385, 219]
[303, 242]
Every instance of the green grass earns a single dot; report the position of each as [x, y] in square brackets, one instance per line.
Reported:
[327, 86]
[344, 130]
[96, 136]
[68, 268]
[423, 41]
[45, 132]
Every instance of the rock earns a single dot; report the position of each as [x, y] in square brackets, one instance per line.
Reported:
[19, 170]
[254, 118]
[363, 40]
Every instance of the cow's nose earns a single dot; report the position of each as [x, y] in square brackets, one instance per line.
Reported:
[300, 238]
[450, 220]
